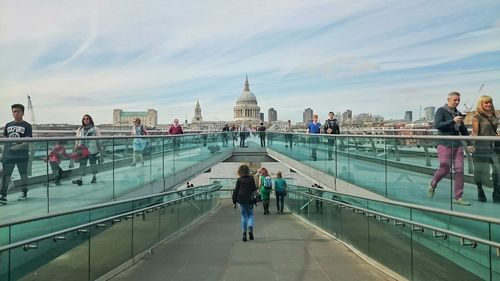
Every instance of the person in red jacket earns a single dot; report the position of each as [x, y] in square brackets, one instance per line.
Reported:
[56, 155]
[176, 129]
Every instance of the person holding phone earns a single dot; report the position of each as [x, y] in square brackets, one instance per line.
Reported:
[450, 122]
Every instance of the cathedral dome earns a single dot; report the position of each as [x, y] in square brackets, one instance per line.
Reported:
[246, 96]
[246, 109]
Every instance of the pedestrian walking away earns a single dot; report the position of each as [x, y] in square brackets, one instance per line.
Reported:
[243, 190]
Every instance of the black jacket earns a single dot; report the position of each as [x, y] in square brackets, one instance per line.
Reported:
[331, 124]
[443, 121]
[245, 185]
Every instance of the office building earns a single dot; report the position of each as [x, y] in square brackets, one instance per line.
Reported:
[307, 115]
[429, 113]
[272, 115]
[148, 118]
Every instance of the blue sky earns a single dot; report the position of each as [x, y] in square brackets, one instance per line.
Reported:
[380, 57]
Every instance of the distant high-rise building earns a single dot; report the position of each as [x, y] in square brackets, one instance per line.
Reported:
[338, 116]
[262, 116]
[347, 117]
[429, 113]
[409, 116]
[197, 113]
[362, 118]
[307, 116]
[272, 115]
[126, 118]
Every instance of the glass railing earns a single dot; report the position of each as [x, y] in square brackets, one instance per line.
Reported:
[416, 242]
[87, 251]
[398, 167]
[22, 230]
[61, 176]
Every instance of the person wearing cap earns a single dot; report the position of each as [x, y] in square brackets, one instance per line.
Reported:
[225, 129]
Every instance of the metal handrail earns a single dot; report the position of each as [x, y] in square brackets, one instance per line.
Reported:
[409, 205]
[26, 243]
[37, 139]
[416, 226]
[97, 206]
[425, 137]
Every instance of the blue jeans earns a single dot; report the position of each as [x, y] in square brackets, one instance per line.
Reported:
[246, 216]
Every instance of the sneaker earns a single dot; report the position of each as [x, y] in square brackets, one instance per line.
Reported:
[79, 182]
[430, 191]
[3, 200]
[461, 201]
[23, 196]
[244, 239]
[250, 235]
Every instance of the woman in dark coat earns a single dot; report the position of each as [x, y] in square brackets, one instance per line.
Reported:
[245, 186]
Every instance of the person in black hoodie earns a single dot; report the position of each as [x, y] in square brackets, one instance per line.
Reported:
[245, 186]
[331, 127]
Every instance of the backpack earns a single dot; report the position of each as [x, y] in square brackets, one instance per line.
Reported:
[268, 183]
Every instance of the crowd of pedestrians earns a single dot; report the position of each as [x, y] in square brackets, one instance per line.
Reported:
[244, 193]
[448, 120]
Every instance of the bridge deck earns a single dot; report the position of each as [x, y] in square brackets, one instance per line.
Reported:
[284, 249]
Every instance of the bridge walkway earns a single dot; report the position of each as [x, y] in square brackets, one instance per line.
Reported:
[284, 248]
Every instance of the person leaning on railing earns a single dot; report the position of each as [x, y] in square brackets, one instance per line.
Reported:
[487, 153]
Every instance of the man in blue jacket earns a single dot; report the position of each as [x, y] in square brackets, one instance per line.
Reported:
[314, 127]
[450, 122]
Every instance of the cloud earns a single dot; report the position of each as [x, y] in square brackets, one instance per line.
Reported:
[92, 56]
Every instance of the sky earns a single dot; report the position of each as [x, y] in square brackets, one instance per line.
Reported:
[380, 57]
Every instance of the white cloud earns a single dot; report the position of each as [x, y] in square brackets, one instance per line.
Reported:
[92, 56]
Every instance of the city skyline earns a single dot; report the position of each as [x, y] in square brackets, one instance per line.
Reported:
[89, 57]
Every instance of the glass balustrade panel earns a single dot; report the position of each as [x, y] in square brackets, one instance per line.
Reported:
[64, 257]
[110, 246]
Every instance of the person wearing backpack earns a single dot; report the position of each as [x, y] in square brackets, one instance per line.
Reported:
[265, 184]
[280, 188]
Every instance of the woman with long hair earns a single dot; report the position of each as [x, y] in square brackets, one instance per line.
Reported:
[265, 189]
[245, 186]
[86, 150]
[487, 153]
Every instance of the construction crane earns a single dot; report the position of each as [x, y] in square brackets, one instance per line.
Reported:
[471, 107]
[31, 111]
